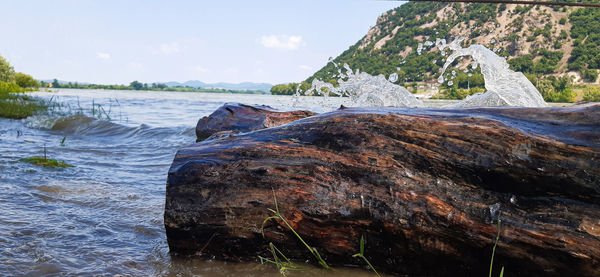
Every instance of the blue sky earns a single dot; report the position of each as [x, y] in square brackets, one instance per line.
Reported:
[159, 41]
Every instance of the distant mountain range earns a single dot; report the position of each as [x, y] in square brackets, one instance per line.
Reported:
[241, 86]
[198, 84]
[63, 82]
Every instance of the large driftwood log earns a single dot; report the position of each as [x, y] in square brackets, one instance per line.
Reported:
[425, 187]
[236, 118]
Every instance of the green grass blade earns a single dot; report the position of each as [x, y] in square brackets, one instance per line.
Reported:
[494, 249]
[362, 245]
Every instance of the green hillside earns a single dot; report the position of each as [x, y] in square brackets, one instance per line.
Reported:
[537, 40]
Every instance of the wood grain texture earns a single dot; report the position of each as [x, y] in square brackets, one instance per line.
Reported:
[425, 187]
[239, 118]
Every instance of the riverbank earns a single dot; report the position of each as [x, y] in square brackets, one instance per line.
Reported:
[14, 104]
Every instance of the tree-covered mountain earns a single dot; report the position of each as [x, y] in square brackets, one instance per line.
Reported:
[538, 40]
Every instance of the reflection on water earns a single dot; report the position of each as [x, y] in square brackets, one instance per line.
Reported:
[105, 216]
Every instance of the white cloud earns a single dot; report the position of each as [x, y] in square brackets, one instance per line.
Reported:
[284, 42]
[169, 48]
[102, 56]
[166, 48]
[305, 67]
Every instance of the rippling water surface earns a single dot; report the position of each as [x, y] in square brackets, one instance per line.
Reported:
[105, 216]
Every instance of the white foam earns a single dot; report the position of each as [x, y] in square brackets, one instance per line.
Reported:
[365, 90]
[504, 87]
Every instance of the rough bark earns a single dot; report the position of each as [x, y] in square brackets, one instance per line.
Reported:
[425, 187]
[238, 118]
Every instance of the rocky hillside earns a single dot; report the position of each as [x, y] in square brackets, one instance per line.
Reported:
[536, 40]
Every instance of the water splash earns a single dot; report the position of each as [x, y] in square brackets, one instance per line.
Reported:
[364, 89]
[504, 86]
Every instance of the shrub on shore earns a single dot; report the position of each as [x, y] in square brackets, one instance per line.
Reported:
[557, 89]
[26, 81]
[7, 73]
[6, 87]
[591, 94]
[13, 104]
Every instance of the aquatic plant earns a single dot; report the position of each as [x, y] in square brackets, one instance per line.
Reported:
[45, 162]
[284, 264]
[277, 216]
[98, 111]
[494, 252]
[361, 255]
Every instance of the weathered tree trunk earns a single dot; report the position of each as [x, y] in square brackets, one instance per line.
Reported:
[238, 118]
[424, 186]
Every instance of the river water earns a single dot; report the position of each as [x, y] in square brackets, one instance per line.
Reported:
[105, 215]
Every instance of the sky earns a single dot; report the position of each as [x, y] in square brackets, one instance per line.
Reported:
[116, 42]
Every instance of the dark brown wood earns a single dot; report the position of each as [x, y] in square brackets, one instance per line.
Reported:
[234, 118]
[425, 187]
[521, 2]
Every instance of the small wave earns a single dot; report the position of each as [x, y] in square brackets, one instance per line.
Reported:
[84, 125]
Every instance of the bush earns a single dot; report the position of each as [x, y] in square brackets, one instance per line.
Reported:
[589, 75]
[523, 64]
[7, 73]
[6, 87]
[565, 96]
[562, 21]
[557, 45]
[557, 90]
[591, 94]
[17, 105]
[284, 89]
[26, 81]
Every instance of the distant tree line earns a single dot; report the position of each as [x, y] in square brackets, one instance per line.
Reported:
[284, 89]
[136, 85]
